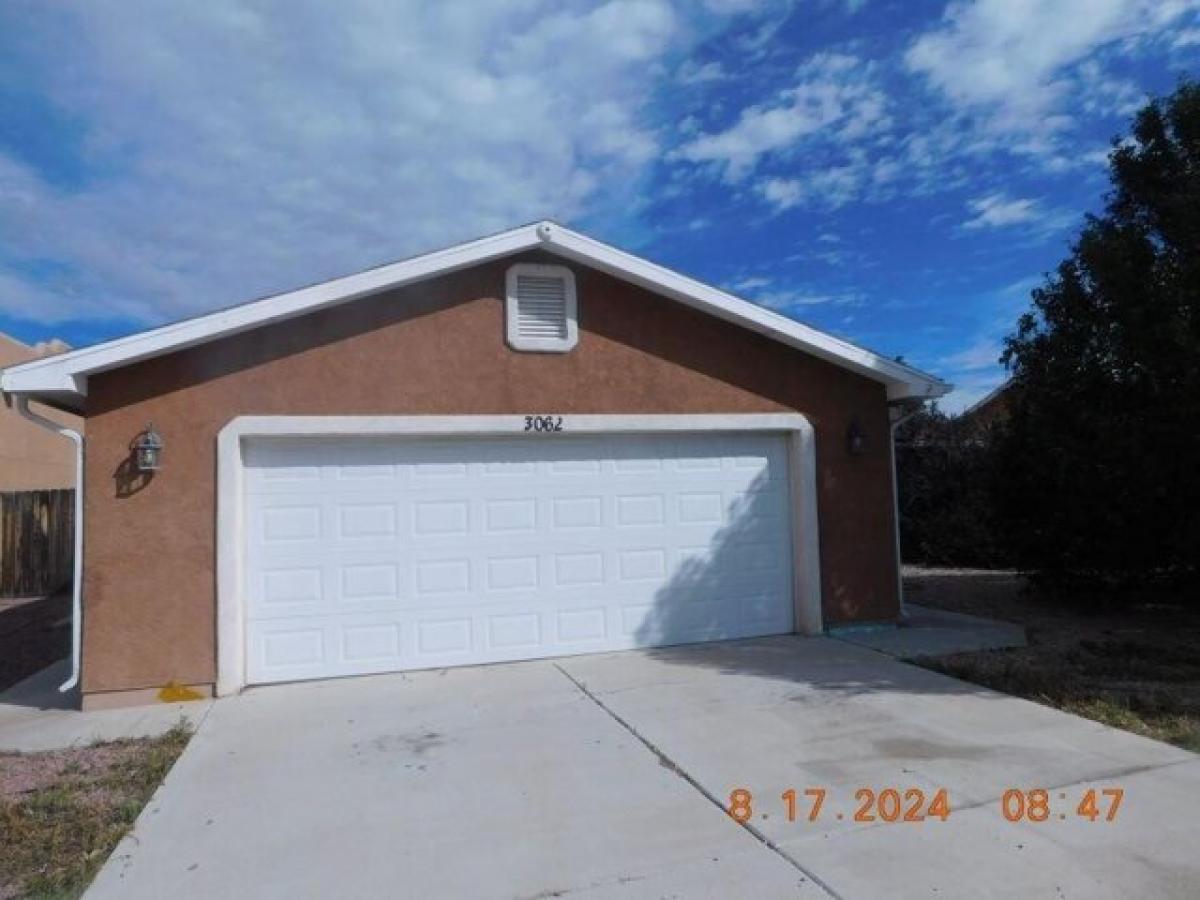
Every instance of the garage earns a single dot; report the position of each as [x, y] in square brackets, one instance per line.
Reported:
[375, 554]
[528, 445]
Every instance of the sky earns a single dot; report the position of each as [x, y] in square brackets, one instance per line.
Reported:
[900, 173]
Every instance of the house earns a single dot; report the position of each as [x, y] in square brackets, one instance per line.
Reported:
[31, 458]
[528, 445]
[993, 407]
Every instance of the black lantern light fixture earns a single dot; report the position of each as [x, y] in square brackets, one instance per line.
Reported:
[147, 450]
[856, 439]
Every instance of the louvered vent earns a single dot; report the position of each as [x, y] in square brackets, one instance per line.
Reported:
[541, 308]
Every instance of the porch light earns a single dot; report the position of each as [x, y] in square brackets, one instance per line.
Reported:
[148, 450]
[856, 440]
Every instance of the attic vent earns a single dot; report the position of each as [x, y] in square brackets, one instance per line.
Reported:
[541, 308]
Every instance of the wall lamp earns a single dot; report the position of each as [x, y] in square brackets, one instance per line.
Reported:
[856, 439]
[147, 450]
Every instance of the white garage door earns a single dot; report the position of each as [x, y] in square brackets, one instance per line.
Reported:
[372, 555]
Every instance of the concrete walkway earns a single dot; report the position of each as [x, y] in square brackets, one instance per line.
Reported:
[34, 716]
[934, 632]
[607, 775]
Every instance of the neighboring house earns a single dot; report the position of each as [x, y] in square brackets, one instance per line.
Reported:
[32, 458]
[529, 445]
[995, 406]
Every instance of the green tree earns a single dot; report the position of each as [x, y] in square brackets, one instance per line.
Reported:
[1099, 467]
[944, 468]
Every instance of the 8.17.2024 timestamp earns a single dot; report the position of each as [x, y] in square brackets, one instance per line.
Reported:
[869, 805]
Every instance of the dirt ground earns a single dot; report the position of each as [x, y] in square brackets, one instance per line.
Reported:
[1134, 666]
[34, 632]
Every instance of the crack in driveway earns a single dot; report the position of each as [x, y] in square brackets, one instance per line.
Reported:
[667, 763]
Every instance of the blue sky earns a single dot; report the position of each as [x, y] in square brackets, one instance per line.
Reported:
[898, 172]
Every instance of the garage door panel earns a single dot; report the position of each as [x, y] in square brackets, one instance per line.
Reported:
[584, 628]
[289, 523]
[317, 646]
[290, 591]
[370, 555]
[369, 581]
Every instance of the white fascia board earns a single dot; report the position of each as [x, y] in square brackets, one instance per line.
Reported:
[66, 374]
[69, 371]
[926, 389]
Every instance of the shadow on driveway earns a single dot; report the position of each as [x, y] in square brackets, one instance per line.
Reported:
[34, 632]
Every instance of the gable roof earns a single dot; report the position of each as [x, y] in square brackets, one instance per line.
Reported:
[63, 380]
[997, 394]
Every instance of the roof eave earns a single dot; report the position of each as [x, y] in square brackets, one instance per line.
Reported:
[902, 380]
[900, 392]
[69, 371]
[66, 375]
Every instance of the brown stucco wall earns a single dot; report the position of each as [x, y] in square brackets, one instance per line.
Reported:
[32, 458]
[435, 348]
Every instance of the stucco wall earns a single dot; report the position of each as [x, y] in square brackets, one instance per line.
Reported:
[32, 458]
[435, 348]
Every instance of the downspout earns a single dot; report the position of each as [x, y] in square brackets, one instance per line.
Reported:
[22, 407]
[902, 413]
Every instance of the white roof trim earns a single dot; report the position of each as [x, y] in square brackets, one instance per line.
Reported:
[64, 377]
[987, 398]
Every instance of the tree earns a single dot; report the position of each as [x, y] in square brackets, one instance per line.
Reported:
[1099, 467]
[944, 468]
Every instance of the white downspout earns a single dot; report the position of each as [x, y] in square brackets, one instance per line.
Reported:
[22, 407]
[900, 419]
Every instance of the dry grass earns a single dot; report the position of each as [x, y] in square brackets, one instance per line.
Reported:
[63, 812]
[1135, 667]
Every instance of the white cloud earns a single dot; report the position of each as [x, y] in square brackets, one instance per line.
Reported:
[731, 7]
[691, 72]
[1018, 291]
[838, 185]
[29, 300]
[1189, 37]
[834, 99]
[984, 354]
[830, 188]
[1096, 157]
[1012, 60]
[749, 284]
[231, 151]
[1106, 95]
[781, 193]
[1001, 211]
[791, 298]
[997, 211]
[758, 44]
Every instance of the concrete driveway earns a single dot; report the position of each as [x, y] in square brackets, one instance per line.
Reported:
[606, 776]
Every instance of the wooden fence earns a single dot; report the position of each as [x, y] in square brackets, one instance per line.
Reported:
[36, 541]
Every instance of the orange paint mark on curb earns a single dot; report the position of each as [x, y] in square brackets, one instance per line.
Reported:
[172, 692]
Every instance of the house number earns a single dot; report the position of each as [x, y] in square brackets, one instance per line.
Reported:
[544, 423]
